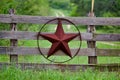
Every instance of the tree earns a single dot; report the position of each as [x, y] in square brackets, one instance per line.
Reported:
[102, 8]
[60, 4]
[82, 7]
[23, 7]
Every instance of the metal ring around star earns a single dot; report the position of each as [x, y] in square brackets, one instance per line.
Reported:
[63, 19]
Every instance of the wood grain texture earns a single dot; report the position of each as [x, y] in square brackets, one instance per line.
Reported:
[35, 51]
[106, 37]
[82, 52]
[13, 42]
[91, 44]
[5, 18]
[33, 36]
[64, 67]
[108, 52]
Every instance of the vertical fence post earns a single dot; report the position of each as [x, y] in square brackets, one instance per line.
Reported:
[13, 42]
[91, 44]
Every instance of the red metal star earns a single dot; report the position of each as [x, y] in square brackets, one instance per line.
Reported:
[59, 40]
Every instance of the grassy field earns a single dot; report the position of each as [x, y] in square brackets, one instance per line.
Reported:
[12, 73]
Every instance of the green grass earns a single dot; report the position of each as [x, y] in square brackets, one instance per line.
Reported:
[12, 73]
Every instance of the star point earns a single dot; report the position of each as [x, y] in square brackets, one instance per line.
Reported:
[59, 40]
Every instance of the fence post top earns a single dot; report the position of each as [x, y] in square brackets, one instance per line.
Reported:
[12, 11]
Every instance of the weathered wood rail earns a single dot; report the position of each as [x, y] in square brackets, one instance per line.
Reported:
[32, 35]
[77, 20]
[82, 52]
[91, 37]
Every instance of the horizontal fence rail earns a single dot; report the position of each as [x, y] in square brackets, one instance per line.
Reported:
[64, 67]
[33, 36]
[82, 52]
[41, 20]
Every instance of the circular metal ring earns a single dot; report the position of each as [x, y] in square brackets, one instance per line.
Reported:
[48, 23]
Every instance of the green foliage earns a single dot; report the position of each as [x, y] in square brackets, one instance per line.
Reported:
[26, 7]
[23, 7]
[13, 73]
[102, 8]
[60, 4]
[5, 5]
[82, 7]
[34, 7]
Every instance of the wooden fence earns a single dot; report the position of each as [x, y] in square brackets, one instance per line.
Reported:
[91, 37]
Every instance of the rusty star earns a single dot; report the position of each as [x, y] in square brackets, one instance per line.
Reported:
[59, 40]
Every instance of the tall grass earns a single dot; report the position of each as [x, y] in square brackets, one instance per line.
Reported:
[12, 73]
